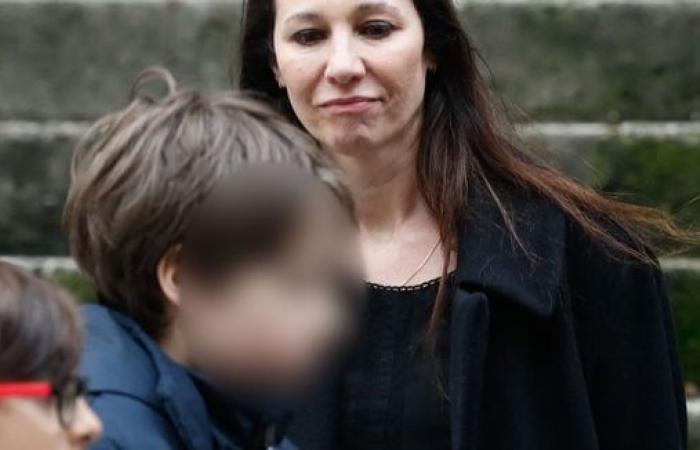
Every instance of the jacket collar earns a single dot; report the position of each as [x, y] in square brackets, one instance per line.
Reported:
[113, 361]
[490, 260]
[121, 358]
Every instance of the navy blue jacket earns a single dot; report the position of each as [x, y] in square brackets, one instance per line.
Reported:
[567, 346]
[149, 402]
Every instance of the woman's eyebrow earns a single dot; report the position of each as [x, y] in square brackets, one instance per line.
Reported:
[304, 16]
[377, 7]
[362, 8]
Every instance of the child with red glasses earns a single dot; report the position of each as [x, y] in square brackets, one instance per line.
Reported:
[41, 399]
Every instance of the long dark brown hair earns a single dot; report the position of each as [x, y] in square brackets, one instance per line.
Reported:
[466, 142]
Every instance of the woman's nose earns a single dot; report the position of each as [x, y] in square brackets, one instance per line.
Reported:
[345, 65]
[86, 427]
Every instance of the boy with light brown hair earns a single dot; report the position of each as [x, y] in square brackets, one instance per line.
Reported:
[222, 248]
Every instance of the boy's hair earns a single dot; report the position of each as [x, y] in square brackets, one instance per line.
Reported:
[40, 329]
[141, 175]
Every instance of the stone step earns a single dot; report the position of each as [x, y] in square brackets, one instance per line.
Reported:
[658, 163]
[694, 424]
[592, 60]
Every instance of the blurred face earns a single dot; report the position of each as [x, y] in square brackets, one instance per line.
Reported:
[354, 70]
[34, 424]
[272, 323]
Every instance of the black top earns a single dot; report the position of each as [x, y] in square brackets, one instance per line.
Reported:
[392, 371]
[558, 343]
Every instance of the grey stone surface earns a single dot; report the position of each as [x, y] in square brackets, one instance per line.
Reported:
[561, 62]
[555, 61]
[609, 62]
[694, 424]
[66, 60]
[34, 176]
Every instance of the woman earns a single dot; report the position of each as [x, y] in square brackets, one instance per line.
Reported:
[543, 313]
[41, 399]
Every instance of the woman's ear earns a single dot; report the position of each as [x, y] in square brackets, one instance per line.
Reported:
[169, 279]
[278, 77]
[275, 68]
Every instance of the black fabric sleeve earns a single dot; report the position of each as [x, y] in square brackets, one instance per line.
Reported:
[627, 348]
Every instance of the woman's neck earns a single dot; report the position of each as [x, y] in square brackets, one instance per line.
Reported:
[384, 185]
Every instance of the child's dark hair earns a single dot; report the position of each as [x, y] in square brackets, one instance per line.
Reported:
[40, 332]
[141, 176]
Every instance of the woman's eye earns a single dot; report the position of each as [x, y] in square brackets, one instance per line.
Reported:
[376, 29]
[308, 37]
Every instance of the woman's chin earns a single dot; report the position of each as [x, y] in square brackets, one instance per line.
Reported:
[349, 143]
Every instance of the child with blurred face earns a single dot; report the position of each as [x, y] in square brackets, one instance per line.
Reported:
[265, 320]
[222, 249]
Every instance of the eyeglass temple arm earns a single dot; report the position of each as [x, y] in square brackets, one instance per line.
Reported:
[32, 389]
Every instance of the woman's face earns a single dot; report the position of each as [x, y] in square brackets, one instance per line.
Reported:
[34, 424]
[354, 70]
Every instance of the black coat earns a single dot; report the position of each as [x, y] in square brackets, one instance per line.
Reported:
[568, 347]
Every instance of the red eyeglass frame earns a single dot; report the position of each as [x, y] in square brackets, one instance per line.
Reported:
[26, 389]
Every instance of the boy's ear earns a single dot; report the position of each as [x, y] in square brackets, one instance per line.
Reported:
[169, 268]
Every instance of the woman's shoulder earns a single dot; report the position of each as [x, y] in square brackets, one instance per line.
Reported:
[520, 227]
[529, 236]
[514, 214]
[531, 219]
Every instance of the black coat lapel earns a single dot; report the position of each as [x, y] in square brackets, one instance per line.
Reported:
[492, 267]
[469, 334]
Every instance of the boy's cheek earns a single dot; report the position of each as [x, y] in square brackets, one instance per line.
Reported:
[293, 343]
[308, 335]
[266, 331]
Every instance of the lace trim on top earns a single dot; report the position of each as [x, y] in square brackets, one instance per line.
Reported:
[411, 288]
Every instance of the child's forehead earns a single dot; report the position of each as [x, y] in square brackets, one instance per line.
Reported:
[260, 211]
[267, 176]
[273, 187]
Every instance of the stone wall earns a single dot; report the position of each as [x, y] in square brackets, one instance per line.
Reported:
[555, 63]
[609, 90]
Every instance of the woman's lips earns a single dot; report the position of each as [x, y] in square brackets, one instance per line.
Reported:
[349, 105]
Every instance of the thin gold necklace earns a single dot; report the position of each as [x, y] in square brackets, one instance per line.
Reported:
[424, 263]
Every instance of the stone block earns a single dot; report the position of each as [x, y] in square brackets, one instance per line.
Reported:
[554, 61]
